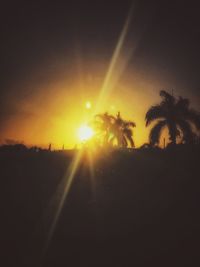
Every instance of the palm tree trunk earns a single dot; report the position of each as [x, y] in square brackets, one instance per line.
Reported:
[130, 139]
[172, 132]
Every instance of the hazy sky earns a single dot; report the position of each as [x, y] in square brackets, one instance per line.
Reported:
[55, 56]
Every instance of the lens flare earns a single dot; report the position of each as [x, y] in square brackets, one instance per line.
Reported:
[85, 133]
[88, 105]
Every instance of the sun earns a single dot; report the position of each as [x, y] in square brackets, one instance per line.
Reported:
[85, 133]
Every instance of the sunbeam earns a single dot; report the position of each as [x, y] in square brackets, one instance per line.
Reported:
[65, 185]
[60, 196]
[107, 84]
[91, 169]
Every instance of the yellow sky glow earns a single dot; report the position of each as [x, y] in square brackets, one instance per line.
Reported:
[57, 119]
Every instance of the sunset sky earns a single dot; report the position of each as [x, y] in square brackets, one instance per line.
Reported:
[57, 56]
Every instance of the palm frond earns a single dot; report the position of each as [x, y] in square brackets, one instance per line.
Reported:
[129, 124]
[186, 129]
[167, 97]
[155, 112]
[128, 133]
[194, 117]
[100, 116]
[155, 132]
[182, 104]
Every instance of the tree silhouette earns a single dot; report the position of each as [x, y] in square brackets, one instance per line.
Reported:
[113, 128]
[103, 124]
[128, 132]
[177, 116]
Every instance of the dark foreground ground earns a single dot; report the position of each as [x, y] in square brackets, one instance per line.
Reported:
[138, 208]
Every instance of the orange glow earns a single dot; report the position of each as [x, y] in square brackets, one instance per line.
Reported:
[57, 119]
[55, 109]
[63, 94]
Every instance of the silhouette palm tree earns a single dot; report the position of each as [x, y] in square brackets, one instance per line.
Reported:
[115, 128]
[103, 124]
[123, 132]
[176, 115]
[128, 132]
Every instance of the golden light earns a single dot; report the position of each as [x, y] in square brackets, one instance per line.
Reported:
[62, 110]
[88, 105]
[112, 107]
[85, 133]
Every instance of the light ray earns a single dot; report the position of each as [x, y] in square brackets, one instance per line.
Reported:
[107, 84]
[65, 185]
[91, 169]
[60, 197]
